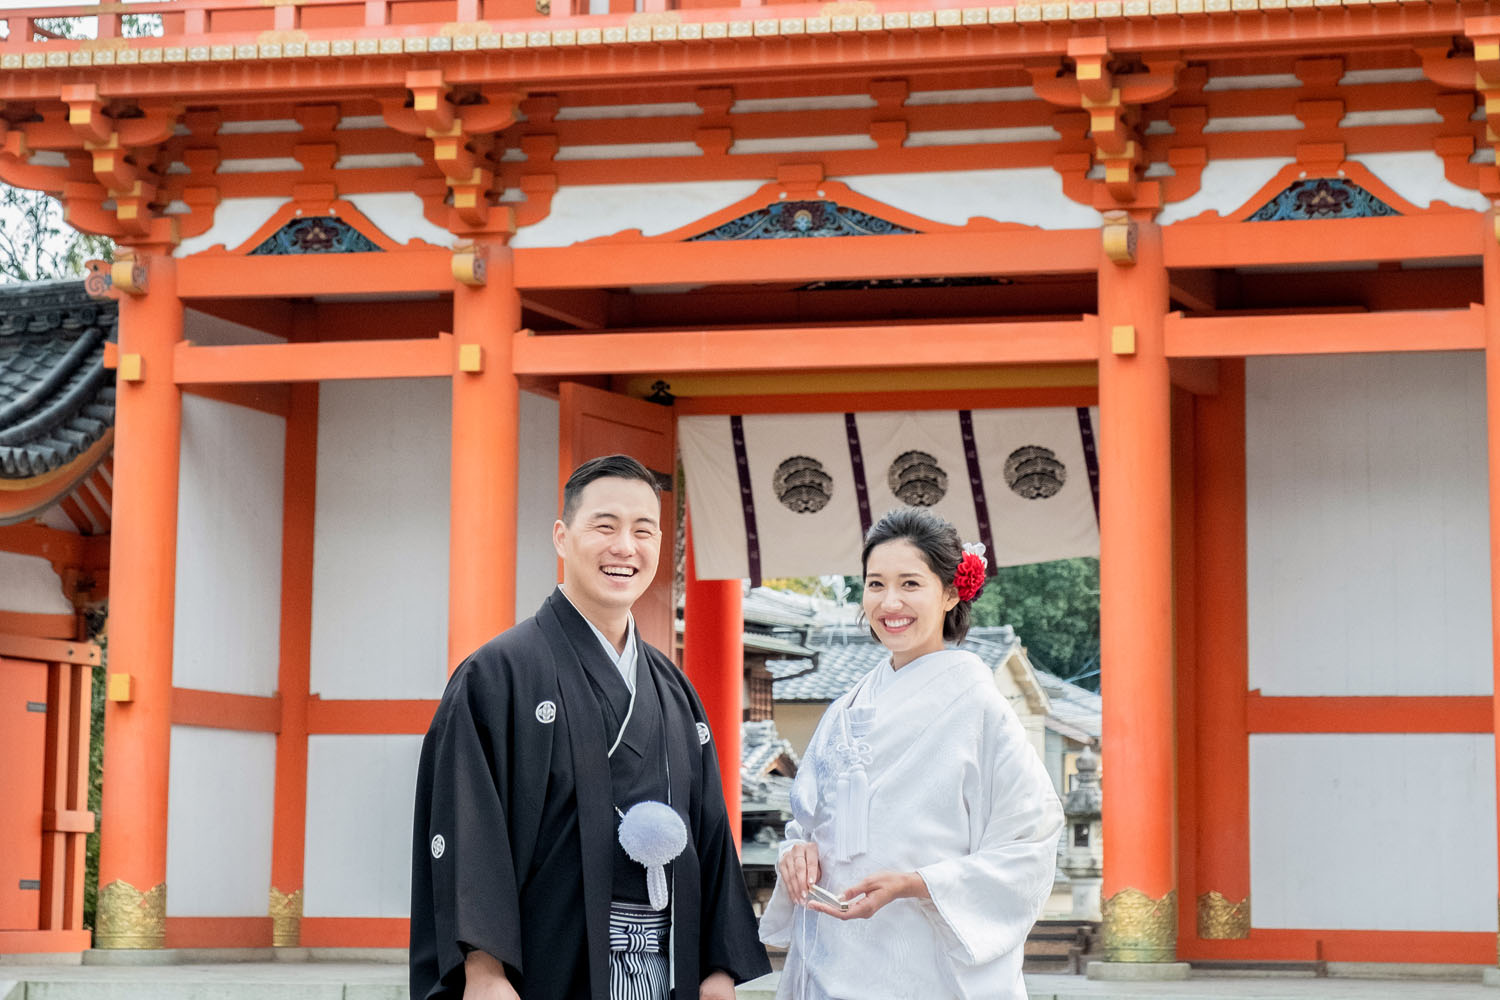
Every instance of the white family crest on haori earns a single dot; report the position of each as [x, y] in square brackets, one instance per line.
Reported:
[439, 845]
[653, 834]
[704, 733]
[807, 486]
[546, 712]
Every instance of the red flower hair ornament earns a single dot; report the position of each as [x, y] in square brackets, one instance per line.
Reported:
[969, 578]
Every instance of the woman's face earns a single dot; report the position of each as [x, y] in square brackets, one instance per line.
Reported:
[905, 602]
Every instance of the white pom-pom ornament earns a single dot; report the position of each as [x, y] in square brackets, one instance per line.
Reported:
[653, 834]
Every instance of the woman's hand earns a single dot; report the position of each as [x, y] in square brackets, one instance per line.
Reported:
[799, 870]
[484, 978]
[875, 892]
[718, 986]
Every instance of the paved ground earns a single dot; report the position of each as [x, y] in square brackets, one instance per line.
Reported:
[384, 981]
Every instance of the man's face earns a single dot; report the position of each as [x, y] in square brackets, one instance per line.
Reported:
[611, 548]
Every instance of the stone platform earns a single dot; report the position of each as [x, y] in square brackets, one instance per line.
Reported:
[365, 980]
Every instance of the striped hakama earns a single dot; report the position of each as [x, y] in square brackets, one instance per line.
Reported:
[638, 965]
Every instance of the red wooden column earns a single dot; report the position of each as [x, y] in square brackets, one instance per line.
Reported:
[1135, 521]
[713, 652]
[143, 570]
[298, 527]
[486, 403]
[1492, 414]
[1222, 662]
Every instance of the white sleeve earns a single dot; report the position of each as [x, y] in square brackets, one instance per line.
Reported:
[985, 903]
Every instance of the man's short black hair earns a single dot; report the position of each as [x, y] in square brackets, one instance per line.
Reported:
[616, 466]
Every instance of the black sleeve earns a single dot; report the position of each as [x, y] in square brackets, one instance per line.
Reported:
[730, 940]
[463, 884]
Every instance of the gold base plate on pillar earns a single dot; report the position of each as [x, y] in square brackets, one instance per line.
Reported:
[286, 918]
[1138, 928]
[1220, 919]
[130, 918]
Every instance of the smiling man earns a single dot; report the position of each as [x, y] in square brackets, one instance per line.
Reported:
[546, 738]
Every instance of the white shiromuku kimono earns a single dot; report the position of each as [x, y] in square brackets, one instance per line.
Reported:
[921, 769]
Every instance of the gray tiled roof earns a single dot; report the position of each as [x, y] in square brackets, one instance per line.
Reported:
[847, 654]
[56, 397]
[1071, 704]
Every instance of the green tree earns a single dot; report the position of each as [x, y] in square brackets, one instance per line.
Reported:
[1054, 607]
[37, 245]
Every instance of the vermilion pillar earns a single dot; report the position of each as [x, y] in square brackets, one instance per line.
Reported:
[1222, 663]
[298, 526]
[1492, 412]
[1135, 607]
[143, 569]
[713, 651]
[486, 401]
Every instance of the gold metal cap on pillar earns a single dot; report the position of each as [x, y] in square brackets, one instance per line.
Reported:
[1220, 919]
[129, 918]
[1138, 928]
[286, 918]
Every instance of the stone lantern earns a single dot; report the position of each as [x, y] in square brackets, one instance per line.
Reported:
[1083, 859]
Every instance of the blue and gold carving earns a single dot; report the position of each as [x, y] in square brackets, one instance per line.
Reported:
[799, 219]
[315, 234]
[1322, 198]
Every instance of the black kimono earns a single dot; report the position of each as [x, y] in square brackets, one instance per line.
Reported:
[514, 848]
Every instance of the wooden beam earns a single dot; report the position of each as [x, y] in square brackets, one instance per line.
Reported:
[313, 362]
[1199, 376]
[587, 309]
[921, 255]
[265, 397]
[1437, 714]
[49, 650]
[221, 710]
[949, 345]
[1195, 290]
[346, 716]
[1323, 241]
[1340, 333]
[392, 273]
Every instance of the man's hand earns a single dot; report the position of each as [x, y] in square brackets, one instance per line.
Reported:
[484, 978]
[877, 890]
[799, 869]
[718, 986]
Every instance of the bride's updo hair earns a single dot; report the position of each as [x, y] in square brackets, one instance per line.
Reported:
[941, 549]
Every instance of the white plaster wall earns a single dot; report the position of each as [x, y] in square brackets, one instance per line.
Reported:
[536, 508]
[1419, 178]
[584, 211]
[1373, 832]
[219, 818]
[360, 792]
[380, 552]
[227, 629]
[1367, 525]
[1030, 196]
[235, 221]
[399, 215]
[28, 585]
[1226, 185]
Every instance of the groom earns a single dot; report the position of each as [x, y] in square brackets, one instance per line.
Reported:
[546, 735]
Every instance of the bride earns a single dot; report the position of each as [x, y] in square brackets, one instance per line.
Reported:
[920, 812]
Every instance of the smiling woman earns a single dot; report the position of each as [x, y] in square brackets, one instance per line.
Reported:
[960, 862]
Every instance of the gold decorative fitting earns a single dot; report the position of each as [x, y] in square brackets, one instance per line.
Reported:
[128, 275]
[469, 266]
[1122, 340]
[286, 918]
[1120, 232]
[119, 685]
[1138, 928]
[1222, 920]
[470, 358]
[129, 918]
